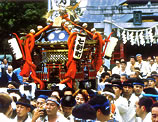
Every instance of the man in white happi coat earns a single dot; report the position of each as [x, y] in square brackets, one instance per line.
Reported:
[23, 108]
[151, 67]
[138, 87]
[116, 69]
[5, 107]
[52, 107]
[143, 108]
[130, 115]
[154, 112]
[142, 65]
[131, 65]
[120, 102]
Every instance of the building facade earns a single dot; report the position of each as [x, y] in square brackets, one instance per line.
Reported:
[134, 22]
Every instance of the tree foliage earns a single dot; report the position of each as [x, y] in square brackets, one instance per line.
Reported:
[20, 17]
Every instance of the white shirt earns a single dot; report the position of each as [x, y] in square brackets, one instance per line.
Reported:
[4, 118]
[101, 86]
[117, 115]
[129, 68]
[70, 118]
[151, 68]
[3, 89]
[130, 115]
[147, 118]
[99, 74]
[116, 70]
[60, 118]
[27, 120]
[143, 67]
[156, 66]
[123, 72]
[122, 105]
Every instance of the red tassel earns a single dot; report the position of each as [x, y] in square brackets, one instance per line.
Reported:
[71, 64]
[28, 47]
[20, 44]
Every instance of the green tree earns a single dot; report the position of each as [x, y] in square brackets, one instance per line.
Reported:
[19, 17]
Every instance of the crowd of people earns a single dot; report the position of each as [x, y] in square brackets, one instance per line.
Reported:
[126, 93]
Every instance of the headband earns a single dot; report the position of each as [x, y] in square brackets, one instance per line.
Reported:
[150, 95]
[106, 105]
[43, 97]
[87, 120]
[108, 93]
[49, 99]
[128, 84]
[116, 85]
[138, 55]
[24, 104]
[135, 83]
[151, 79]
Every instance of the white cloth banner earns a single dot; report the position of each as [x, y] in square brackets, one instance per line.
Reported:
[110, 47]
[79, 45]
[15, 48]
[141, 36]
[131, 37]
[124, 37]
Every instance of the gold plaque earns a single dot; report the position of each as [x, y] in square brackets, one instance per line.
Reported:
[57, 21]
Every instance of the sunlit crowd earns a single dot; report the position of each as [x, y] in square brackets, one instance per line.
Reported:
[128, 92]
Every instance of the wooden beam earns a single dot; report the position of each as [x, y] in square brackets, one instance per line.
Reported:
[106, 10]
[131, 25]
